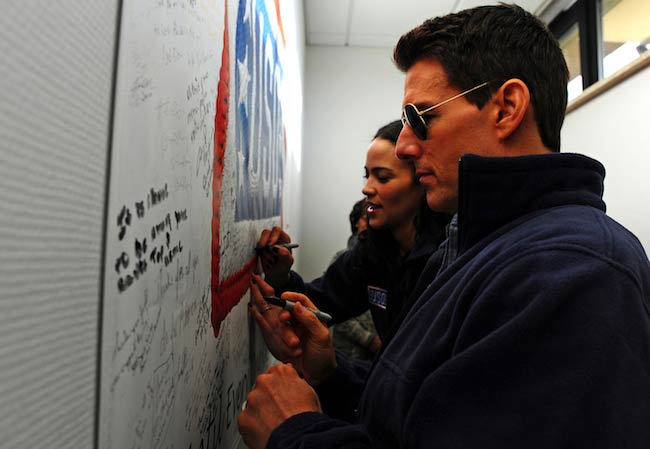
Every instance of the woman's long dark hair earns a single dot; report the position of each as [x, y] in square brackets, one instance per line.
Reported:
[381, 249]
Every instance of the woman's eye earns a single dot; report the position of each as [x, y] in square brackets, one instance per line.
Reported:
[383, 179]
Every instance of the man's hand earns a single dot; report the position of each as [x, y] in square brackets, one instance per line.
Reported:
[277, 331]
[277, 261]
[277, 395]
[318, 358]
[298, 337]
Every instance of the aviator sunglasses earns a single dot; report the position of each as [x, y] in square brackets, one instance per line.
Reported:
[413, 117]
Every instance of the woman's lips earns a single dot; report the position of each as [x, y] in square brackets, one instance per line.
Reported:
[372, 208]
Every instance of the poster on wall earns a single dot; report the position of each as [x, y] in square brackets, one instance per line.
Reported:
[254, 147]
[259, 134]
[197, 169]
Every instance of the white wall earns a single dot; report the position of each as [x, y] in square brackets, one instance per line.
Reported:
[349, 94]
[56, 87]
[614, 129]
[56, 72]
[294, 28]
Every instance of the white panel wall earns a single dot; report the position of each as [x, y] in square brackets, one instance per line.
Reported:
[294, 28]
[349, 94]
[56, 71]
[613, 128]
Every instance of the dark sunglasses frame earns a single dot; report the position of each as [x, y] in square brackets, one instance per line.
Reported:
[413, 117]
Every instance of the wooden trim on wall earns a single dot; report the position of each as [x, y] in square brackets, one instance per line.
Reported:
[604, 85]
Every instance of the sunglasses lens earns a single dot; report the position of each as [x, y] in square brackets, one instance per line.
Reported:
[414, 120]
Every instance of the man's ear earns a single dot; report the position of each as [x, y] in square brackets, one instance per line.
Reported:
[512, 100]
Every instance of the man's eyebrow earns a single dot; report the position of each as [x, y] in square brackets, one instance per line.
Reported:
[421, 105]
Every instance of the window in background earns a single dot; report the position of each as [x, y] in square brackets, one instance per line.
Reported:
[600, 37]
[570, 44]
[626, 32]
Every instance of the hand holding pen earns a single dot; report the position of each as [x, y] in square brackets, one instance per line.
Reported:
[280, 392]
[280, 338]
[274, 250]
[318, 359]
[298, 332]
[290, 305]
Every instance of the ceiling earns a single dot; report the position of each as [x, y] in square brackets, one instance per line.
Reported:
[379, 23]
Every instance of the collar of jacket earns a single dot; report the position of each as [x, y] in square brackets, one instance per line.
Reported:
[493, 191]
[426, 243]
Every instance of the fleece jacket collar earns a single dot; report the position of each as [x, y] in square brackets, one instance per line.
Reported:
[494, 191]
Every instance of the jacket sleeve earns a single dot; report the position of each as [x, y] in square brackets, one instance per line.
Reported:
[341, 291]
[317, 430]
[339, 395]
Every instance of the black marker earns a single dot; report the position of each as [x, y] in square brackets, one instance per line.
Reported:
[289, 305]
[258, 251]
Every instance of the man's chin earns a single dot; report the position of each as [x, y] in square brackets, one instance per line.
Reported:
[438, 204]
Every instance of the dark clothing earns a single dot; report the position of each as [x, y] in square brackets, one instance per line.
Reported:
[371, 276]
[536, 336]
[354, 336]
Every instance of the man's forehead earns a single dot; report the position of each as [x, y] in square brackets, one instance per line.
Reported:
[425, 78]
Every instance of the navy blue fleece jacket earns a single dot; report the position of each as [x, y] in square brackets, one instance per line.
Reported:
[536, 336]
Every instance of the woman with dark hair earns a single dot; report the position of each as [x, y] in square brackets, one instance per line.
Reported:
[381, 270]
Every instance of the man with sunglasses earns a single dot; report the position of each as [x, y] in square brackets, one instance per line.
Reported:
[534, 331]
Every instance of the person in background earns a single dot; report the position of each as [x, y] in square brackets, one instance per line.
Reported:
[358, 223]
[535, 330]
[357, 337]
[382, 269]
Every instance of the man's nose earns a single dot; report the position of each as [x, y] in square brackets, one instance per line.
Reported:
[408, 145]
